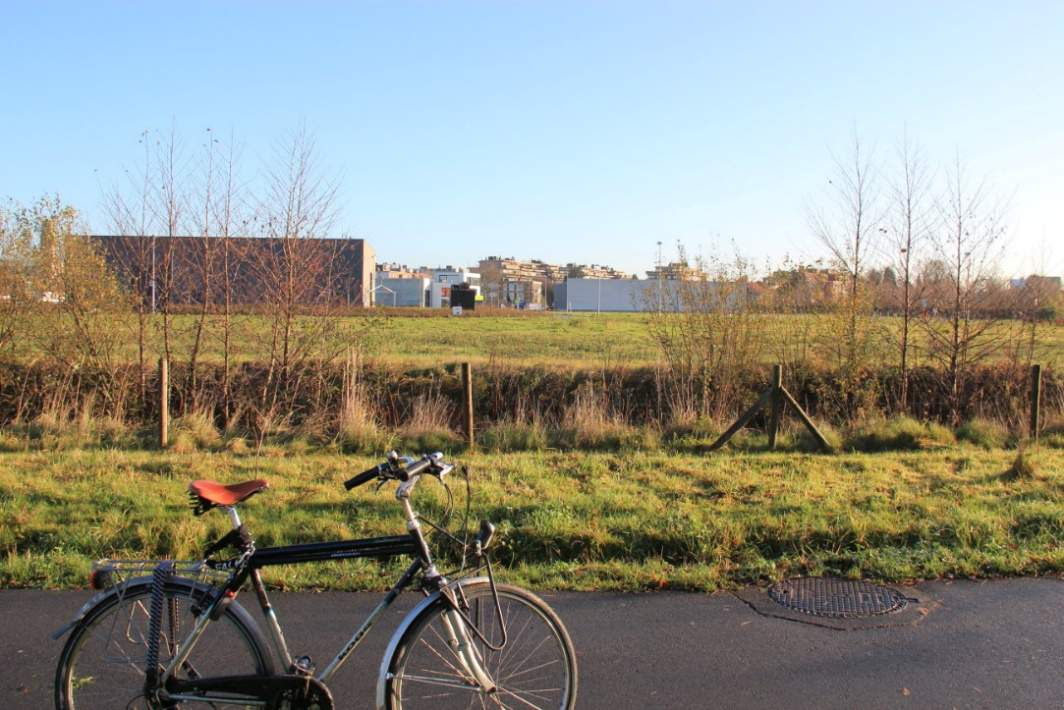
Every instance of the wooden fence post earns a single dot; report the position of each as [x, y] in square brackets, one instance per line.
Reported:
[1036, 400]
[164, 403]
[777, 397]
[467, 403]
[776, 412]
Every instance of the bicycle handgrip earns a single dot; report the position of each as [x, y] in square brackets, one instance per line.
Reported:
[364, 477]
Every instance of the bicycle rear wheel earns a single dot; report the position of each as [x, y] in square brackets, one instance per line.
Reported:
[102, 664]
[536, 668]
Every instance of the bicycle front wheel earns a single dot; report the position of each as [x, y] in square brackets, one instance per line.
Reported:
[102, 664]
[534, 668]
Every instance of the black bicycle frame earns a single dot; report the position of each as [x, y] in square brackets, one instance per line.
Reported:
[392, 546]
[399, 545]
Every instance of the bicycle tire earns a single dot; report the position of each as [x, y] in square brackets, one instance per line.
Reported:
[114, 676]
[536, 668]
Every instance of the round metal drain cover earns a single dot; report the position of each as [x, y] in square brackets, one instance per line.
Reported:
[839, 598]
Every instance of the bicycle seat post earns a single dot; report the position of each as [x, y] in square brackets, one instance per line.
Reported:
[234, 517]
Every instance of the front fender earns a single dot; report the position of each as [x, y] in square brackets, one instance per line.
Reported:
[408, 621]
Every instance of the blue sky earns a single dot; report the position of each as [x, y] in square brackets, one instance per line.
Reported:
[575, 131]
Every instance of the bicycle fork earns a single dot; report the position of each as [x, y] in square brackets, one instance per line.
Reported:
[455, 628]
[461, 642]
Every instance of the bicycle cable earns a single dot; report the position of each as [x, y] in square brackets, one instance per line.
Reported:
[441, 528]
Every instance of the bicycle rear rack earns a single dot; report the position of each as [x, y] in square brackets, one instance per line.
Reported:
[118, 573]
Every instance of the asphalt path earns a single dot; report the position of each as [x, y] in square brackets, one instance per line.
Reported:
[997, 644]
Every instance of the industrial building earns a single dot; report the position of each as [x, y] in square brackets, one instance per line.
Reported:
[188, 270]
[636, 295]
[616, 295]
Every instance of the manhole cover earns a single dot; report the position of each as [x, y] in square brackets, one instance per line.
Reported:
[839, 598]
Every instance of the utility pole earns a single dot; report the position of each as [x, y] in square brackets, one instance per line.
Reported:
[657, 269]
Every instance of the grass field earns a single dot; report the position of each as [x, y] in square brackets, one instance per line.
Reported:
[554, 339]
[567, 520]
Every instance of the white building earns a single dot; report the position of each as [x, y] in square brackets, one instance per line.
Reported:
[404, 292]
[444, 279]
[613, 295]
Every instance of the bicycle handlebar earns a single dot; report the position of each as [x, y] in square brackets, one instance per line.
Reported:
[394, 468]
[364, 477]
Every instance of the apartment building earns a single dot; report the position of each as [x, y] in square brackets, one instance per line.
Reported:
[676, 271]
[506, 281]
[594, 271]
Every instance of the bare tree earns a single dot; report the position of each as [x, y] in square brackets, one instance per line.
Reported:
[134, 261]
[1036, 300]
[848, 226]
[911, 214]
[169, 204]
[203, 258]
[708, 332]
[225, 217]
[297, 270]
[968, 242]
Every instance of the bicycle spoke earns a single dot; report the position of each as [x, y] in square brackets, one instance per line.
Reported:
[105, 668]
[522, 700]
[533, 668]
[531, 671]
[441, 657]
[440, 681]
[522, 663]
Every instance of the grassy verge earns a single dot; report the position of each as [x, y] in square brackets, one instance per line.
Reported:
[644, 520]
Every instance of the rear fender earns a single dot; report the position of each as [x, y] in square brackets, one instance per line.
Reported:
[120, 590]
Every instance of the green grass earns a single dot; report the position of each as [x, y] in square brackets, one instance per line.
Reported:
[641, 520]
[571, 340]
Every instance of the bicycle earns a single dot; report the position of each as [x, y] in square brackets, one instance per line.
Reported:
[469, 643]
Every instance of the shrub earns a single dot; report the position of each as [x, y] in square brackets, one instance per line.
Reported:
[588, 424]
[9, 442]
[899, 434]
[613, 436]
[806, 442]
[367, 440]
[299, 446]
[428, 426]
[359, 430]
[237, 445]
[1053, 434]
[985, 433]
[58, 429]
[756, 440]
[511, 435]
[686, 432]
[197, 429]
[182, 443]
[429, 440]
